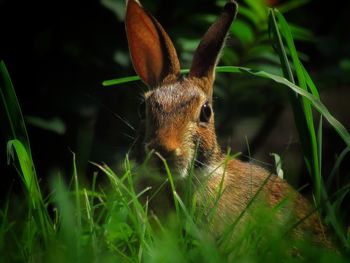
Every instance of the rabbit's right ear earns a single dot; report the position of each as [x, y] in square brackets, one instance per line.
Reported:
[208, 52]
[152, 52]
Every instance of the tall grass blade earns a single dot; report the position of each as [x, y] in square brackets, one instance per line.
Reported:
[320, 143]
[119, 81]
[301, 107]
[315, 102]
[14, 127]
[313, 146]
[171, 181]
[27, 172]
[18, 146]
[336, 166]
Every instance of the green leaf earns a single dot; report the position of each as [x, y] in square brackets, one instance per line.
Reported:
[262, 52]
[310, 84]
[118, 81]
[301, 107]
[204, 18]
[293, 52]
[55, 125]
[300, 33]
[249, 14]
[229, 57]
[116, 6]
[16, 148]
[344, 64]
[10, 111]
[28, 175]
[243, 31]
[107, 83]
[259, 7]
[291, 5]
[315, 102]
[320, 143]
[279, 46]
[187, 44]
[336, 166]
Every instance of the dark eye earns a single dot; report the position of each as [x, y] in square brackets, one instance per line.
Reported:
[205, 113]
[141, 111]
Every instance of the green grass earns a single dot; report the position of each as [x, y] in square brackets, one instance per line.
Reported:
[112, 225]
[114, 222]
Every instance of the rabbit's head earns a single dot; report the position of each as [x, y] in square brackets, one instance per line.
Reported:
[179, 120]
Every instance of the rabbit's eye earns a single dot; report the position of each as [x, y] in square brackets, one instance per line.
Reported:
[205, 113]
[141, 111]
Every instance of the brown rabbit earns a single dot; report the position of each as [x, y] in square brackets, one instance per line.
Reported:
[180, 120]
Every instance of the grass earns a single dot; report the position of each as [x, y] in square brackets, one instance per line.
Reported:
[114, 223]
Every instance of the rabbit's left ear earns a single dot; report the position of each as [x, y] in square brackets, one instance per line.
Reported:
[152, 52]
[207, 54]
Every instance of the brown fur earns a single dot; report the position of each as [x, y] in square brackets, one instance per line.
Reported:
[174, 127]
[241, 183]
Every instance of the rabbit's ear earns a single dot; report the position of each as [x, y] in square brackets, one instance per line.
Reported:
[207, 54]
[152, 52]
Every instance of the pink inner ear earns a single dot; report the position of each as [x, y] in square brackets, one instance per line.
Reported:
[144, 44]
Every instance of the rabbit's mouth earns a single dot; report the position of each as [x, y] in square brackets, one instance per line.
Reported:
[175, 163]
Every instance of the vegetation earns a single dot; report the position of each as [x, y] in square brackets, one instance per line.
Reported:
[88, 222]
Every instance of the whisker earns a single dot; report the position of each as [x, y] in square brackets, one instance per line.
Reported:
[124, 121]
[202, 164]
[112, 112]
[129, 136]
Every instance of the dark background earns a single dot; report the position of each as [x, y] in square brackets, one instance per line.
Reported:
[58, 53]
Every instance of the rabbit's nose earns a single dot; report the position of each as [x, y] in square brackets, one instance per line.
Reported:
[165, 152]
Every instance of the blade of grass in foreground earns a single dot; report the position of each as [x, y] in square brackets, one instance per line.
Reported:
[14, 127]
[304, 120]
[37, 209]
[18, 146]
[119, 81]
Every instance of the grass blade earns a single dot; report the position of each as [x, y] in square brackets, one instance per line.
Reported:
[123, 80]
[15, 147]
[18, 146]
[336, 166]
[301, 107]
[118, 81]
[29, 178]
[15, 127]
[315, 102]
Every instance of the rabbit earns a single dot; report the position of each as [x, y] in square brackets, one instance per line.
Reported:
[179, 122]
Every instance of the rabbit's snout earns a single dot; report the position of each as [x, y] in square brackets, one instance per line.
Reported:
[166, 141]
[165, 151]
[171, 153]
